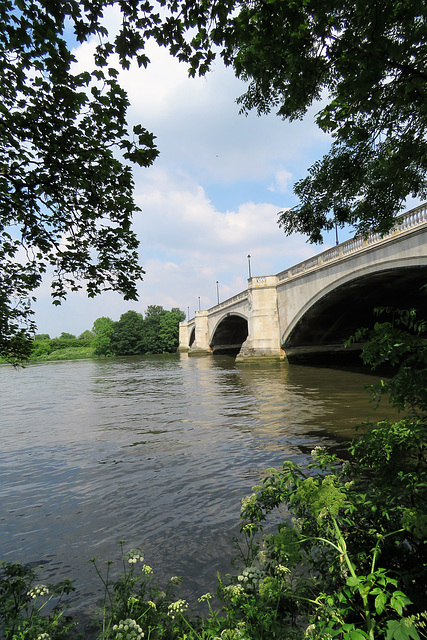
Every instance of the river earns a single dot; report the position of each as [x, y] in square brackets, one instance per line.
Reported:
[157, 451]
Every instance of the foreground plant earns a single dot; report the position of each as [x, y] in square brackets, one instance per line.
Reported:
[135, 606]
[356, 548]
[29, 610]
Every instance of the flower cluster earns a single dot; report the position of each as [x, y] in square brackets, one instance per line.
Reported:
[206, 597]
[146, 569]
[128, 629]
[233, 634]
[317, 451]
[43, 636]
[234, 590]
[282, 571]
[250, 576]
[134, 555]
[177, 607]
[39, 590]
[248, 501]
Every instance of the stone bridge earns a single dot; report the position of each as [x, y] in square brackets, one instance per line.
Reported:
[312, 308]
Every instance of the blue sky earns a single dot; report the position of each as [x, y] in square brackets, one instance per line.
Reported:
[210, 199]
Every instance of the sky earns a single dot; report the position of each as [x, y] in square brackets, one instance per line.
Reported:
[211, 198]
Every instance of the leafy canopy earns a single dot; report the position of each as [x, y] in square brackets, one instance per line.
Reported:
[134, 334]
[66, 186]
[366, 64]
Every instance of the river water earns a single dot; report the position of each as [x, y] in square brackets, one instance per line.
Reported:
[157, 451]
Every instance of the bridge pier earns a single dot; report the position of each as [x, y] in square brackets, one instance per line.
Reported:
[201, 340]
[263, 320]
[184, 337]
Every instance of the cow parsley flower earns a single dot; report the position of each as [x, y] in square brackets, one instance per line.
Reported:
[128, 630]
[38, 590]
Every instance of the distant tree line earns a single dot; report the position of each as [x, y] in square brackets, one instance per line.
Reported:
[133, 334]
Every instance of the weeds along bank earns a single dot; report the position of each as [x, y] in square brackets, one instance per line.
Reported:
[349, 561]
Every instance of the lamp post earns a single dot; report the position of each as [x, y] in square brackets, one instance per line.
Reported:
[217, 290]
[199, 303]
[249, 265]
[188, 313]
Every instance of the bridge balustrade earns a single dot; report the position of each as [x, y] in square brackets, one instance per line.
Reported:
[409, 220]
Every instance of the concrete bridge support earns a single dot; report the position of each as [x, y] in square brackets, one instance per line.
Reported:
[263, 320]
[201, 341]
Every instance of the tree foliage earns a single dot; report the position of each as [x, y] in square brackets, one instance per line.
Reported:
[66, 186]
[103, 329]
[366, 64]
[134, 334]
[127, 336]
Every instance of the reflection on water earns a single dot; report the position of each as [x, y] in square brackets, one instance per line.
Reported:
[157, 451]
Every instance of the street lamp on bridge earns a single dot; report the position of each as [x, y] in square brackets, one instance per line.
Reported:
[217, 290]
[249, 265]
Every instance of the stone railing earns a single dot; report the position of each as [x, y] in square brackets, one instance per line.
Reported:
[408, 221]
[229, 301]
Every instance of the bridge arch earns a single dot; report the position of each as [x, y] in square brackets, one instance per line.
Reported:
[229, 333]
[192, 336]
[329, 317]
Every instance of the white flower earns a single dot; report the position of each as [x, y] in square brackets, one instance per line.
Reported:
[146, 569]
[281, 570]
[38, 590]
[316, 451]
[128, 629]
[133, 556]
[177, 607]
[234, 590]
[205, 597]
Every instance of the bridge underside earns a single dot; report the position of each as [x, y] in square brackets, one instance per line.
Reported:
[229, 335]
[320, 334]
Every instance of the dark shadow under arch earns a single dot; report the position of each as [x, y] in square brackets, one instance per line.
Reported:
[229, 335]
[319, 336]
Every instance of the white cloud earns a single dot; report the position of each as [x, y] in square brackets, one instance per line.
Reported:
[282, 181]
[210, 199]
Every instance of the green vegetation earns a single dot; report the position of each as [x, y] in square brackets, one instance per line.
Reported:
[133, 334]
[348, 559]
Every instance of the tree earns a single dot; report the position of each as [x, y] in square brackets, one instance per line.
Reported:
[66, 187]
[103, 328]
[365, 62]
[127, 337]
[152, 340]
[86, 337]
[169, 330]
[161, 329]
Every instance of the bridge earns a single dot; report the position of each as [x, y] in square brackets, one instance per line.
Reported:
[308, 311]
